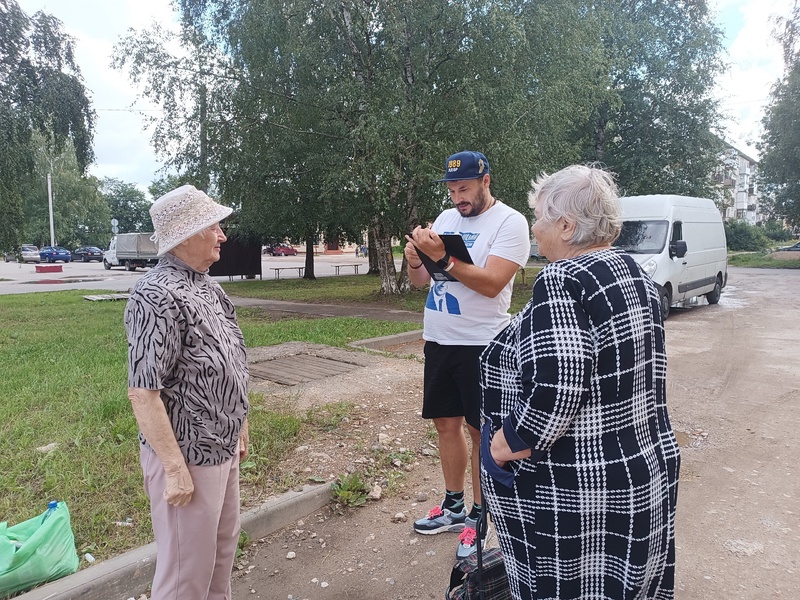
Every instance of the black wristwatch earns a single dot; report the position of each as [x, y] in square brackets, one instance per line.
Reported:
[443, 262]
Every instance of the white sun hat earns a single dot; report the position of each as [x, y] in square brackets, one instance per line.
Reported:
[181, 213]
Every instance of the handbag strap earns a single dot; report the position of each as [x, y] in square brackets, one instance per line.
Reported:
[482, 530]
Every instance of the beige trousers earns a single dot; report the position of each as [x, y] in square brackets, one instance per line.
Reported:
[196, 544]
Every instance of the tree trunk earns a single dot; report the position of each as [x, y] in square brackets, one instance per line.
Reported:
[383, 253]
[412, 220]
[372, 251]
[308, 272]
[600, 135]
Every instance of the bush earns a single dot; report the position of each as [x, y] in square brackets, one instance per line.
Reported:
[775, 230]
[742, 236]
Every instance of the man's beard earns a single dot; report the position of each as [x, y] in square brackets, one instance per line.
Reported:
[479, 205]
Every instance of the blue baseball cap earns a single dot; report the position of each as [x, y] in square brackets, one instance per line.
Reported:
[465, 165]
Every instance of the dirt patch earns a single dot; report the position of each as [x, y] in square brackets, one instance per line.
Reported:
[383, 426]
[366, 552]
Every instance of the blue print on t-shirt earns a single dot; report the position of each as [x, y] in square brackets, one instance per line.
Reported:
[440, 300]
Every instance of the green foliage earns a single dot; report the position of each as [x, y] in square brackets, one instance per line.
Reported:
[80, 213]
[41, 90]
[321, 117]
[742, 236]
[128, 205]
[780, 160]
[329, 416]
[166, 184]
[656, 125]
[331, 118]
[350, 490]
[775, 231]
[240, 545]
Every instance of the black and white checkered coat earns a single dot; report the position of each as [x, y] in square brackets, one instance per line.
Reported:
[579, 376]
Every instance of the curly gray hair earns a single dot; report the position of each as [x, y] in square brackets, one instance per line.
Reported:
[586, 196]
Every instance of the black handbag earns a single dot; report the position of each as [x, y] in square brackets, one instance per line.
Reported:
[487, 581]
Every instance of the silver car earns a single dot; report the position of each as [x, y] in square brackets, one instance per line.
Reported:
[29, 253]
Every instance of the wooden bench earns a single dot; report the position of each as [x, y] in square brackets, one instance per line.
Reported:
[279, 269]
[354, 265]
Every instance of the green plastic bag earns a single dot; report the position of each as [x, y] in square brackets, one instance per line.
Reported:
[36, 551]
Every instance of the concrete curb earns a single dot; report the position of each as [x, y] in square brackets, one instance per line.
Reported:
[129, 574]
[388, 340]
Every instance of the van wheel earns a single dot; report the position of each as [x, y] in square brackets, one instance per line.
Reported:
[713, 295]
[106, 265]
[666, 302]
[129, 266]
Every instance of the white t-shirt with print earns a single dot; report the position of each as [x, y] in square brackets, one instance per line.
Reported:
[456, 315]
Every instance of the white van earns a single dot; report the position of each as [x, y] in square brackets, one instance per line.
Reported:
[680, 242]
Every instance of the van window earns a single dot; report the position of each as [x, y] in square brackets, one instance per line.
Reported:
[677, 232]
[643, 237]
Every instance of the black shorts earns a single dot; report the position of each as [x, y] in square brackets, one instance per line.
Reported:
[452, 383]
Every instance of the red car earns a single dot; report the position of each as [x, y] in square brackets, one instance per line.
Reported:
[283, 250]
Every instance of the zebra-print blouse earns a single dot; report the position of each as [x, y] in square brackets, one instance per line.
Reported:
[183, 339]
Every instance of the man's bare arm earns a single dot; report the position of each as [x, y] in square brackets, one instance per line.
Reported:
[487, 281]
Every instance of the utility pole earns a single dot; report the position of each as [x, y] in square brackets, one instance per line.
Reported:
[50, 208]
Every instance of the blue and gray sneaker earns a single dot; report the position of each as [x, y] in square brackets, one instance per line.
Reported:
[468, 539]
[440, 519]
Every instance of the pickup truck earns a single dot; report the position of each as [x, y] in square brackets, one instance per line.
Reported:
[131, 250]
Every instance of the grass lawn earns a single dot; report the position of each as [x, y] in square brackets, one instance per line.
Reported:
[359, 289]
[763, 261]
[66, 428]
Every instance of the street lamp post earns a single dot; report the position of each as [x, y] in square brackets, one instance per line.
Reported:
[50, 209]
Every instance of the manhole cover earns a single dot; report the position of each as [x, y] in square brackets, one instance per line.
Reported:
[298, 368]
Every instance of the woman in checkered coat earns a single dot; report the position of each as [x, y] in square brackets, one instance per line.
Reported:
[579, 461]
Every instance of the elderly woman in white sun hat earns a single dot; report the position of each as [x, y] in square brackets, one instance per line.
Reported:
[187, 383]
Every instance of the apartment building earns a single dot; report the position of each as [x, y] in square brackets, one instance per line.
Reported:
[738, 196]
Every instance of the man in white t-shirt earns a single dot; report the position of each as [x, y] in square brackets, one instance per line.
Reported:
[461, 318]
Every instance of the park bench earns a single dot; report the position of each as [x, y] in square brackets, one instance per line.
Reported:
[279, 269]
[354, 265]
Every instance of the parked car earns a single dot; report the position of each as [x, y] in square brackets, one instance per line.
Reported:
[87, 254]
[26, 253]
[793, 248]
[283, 250]
[54, 254]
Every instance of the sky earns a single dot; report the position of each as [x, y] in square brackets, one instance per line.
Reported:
[122, 145]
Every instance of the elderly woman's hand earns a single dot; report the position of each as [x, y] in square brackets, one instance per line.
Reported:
[244, 440]
[501, 452]
[179, 486]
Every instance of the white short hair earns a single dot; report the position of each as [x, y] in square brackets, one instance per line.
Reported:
[586, 196]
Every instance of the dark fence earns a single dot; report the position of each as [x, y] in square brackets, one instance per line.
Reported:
[238, 257]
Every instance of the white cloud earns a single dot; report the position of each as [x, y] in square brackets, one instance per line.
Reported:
[122, 148]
